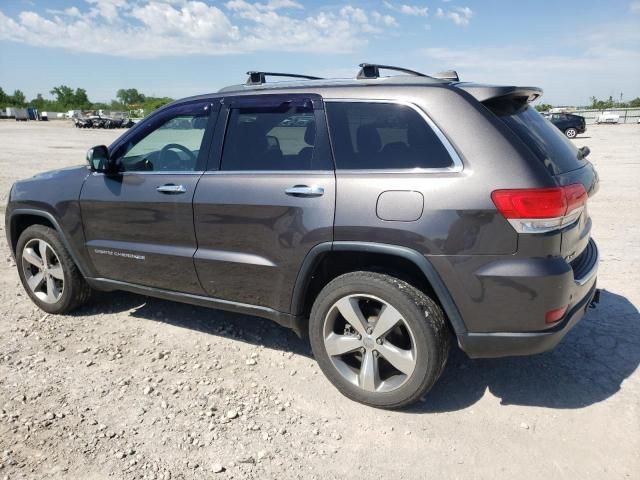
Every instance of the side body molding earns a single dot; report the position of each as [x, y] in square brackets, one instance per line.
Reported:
[314, 256]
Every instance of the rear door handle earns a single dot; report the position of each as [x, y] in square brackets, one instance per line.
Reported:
[305, 191]
[171, 188]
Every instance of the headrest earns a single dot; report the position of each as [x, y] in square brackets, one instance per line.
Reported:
[368, 139]
[200, 123]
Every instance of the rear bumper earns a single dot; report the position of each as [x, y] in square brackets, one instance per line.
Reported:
[504, 344]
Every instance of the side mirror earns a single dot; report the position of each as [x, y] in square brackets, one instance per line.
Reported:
[99, 160]
[583, 152]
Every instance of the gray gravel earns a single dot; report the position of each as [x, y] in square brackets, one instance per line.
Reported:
[136, 388]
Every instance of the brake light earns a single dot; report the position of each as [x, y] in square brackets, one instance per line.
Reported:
[539, 210]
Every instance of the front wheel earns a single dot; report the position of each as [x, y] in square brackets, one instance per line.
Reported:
[378, 339]
[47, 272]
[571, 132]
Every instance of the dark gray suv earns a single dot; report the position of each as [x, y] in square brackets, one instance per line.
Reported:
[382, 216]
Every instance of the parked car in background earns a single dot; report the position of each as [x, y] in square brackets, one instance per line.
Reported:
[608, 117]
[570, 124]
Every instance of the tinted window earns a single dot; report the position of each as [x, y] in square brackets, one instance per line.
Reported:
[383, 136]
[173, 146]
[546, 142]
[260, 138]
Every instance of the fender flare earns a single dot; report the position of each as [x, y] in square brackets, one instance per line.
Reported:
[44, 214]
[315, 254]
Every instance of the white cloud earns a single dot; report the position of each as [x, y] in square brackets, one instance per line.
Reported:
[155, 28]
[461, 16]
[565, 78]
[413, 10]
[194, 19]
[108, 9]
[634, 7]
[71, 12]
[386, 20]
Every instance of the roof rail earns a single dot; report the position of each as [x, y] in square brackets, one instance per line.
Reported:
[372, 70]
[447, 75]
[258, 78]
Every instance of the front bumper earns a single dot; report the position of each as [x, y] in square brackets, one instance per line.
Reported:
[504, 344]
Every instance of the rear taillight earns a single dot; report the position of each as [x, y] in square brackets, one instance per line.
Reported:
[539, 210]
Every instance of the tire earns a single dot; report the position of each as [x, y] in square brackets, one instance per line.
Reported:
[418, 339]
[571, 132]
[61, 287]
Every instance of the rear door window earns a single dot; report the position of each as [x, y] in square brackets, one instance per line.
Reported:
[270, 138]
[383, 136]
[549, 145]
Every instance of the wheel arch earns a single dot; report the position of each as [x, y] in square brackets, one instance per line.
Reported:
[305, 290]
[21, 219]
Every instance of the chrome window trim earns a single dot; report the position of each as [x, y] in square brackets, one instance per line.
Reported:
[142, 172]
[457, 166]
[270, 172]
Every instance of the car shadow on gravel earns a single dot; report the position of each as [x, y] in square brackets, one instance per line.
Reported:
[244, 328]
[587, 367]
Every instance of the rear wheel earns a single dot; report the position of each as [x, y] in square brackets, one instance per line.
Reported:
[571, 132]
[378, 339]
[48, 274]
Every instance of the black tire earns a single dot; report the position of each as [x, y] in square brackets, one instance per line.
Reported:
[423, 317]
[571, 132]
[75, 291]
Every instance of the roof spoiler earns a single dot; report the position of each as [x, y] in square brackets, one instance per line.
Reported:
[483, 93]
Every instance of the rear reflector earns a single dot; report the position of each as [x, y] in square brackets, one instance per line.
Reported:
[552, 316]
[538, 210]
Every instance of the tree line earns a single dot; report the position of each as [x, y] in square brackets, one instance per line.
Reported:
[66, 98]
[598, 104]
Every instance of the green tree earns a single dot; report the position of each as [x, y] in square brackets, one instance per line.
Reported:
[544, 107]
[100, 106]
[153, 103]
[80, 99]
[65, 96]
[130, 96]
[39, 102]
[4, 98]
[18, 98]
[635, 103]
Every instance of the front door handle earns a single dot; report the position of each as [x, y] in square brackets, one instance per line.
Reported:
[305, 191]
[171, 188]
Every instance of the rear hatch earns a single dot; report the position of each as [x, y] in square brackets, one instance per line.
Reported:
[561, 158]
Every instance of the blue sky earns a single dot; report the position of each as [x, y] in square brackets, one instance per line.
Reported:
[572, 49]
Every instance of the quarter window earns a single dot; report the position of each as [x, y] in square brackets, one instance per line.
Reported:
[383, 136]
[173, 146]
[268, 138]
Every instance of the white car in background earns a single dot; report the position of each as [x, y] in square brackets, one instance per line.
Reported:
[608, 117]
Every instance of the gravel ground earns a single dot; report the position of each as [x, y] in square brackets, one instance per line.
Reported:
[131, 387]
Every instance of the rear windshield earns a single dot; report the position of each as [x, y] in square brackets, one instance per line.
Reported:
[547, 143]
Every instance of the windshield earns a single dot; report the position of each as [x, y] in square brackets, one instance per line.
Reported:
[546, 142]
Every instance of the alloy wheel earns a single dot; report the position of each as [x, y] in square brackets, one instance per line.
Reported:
[42, 270]
[369, 343]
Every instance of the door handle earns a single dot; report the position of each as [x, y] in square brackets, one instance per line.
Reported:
[305, 191]
[171, 188]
